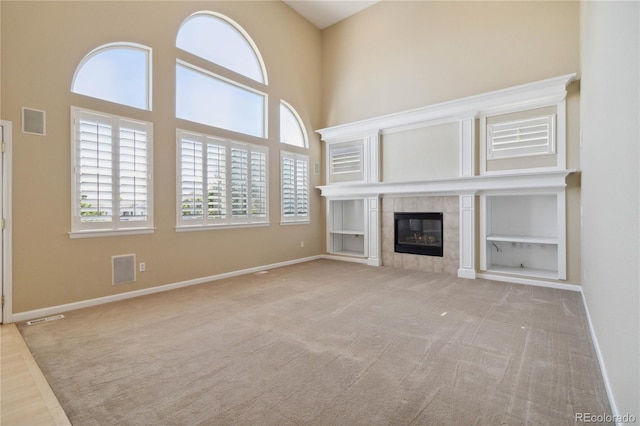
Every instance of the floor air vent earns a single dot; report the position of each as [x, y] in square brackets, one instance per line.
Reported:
[124, 269]
[47, 319]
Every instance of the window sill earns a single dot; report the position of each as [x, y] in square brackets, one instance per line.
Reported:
[92, 233]
[295, 222]
[189, 228]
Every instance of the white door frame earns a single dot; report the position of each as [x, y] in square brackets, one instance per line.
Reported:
[5, 168]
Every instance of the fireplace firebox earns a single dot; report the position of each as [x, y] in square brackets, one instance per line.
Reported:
[418, 233]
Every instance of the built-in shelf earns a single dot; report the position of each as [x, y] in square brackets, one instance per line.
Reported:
[359, 232]
[523, 239]
[524, 234]
[346, 227]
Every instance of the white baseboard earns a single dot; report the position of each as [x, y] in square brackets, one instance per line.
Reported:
[526, 281]
[603, 369]
[53, 310]
[344, 258]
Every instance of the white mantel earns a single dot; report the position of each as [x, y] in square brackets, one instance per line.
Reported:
[540, 180]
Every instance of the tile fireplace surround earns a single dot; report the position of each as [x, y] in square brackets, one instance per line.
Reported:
[449, 206]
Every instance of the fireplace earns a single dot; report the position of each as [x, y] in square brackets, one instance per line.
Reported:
[418, 233]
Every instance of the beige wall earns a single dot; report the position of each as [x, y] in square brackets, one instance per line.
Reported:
[610, 191]
[42, 43]
[424, 153]
[398, 55]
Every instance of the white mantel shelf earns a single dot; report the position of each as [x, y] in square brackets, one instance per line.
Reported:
[538, 180]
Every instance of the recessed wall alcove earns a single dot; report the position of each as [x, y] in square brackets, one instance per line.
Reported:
[449, 206]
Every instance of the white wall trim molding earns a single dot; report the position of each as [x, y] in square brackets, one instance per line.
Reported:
[603, 368]
[6, 287]
[517, 98]
[53, 310]
[526, 281]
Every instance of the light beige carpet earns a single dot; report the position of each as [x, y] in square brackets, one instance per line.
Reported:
[329, 343]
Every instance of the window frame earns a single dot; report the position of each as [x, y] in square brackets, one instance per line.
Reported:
[296, 218]
[229, 221]
[116, 226]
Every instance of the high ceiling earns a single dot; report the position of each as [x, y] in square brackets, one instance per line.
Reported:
[324, 13]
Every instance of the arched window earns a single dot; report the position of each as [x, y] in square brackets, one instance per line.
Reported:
[292, 132]
[221, 41]
[116, 72]
[203, 94]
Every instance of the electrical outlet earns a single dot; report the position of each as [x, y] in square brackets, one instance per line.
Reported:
[301, 243]
[142, 267]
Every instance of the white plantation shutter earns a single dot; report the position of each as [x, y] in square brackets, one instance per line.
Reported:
[521, 138]
[258, 184]
[94, 168]
[112, 173]
[288, 164]
[295, 187]
[216, 181]
[134, 180]
[346, 162]
[191, 177]
[302, 188]
[227, 178]
[239, 182]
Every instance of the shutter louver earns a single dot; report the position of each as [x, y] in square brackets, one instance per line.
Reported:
[521, 138]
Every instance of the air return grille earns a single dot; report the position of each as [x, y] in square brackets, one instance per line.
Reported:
[33, 121]
[124, 269]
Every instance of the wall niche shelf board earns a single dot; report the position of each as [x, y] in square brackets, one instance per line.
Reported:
[523, 239]
[527, 272]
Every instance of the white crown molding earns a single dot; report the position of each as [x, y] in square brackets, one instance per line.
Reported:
[516, 98]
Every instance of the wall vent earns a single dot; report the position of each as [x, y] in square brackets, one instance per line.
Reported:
[124, 269]
[33, 121]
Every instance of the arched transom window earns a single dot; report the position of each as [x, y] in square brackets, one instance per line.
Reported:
[213, 96]
[116, 72]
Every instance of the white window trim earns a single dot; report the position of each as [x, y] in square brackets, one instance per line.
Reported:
[300, 220]
[115, 227]
[228, 222]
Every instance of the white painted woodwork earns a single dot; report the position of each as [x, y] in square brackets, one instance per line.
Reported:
[357, 200]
